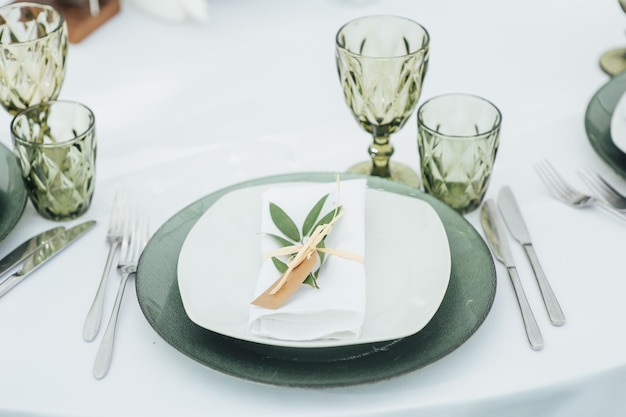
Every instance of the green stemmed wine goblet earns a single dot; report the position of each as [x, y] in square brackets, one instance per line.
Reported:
[381, 61]
[33, 50]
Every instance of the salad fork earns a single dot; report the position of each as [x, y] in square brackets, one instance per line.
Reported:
[564, 192]
[120, 211]
[135, 238]
[603, 189]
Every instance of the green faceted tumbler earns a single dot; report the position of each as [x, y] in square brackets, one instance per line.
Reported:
[458, 138]
[55, 144]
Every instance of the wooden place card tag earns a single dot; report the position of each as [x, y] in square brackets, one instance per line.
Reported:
[294, 281]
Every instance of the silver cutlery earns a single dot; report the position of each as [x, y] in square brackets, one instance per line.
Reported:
[564, 192]
[515, 221]
[603, 189]
[121, 210]
[496, 238]
[44, 254]
[135, 238]
[25, 249]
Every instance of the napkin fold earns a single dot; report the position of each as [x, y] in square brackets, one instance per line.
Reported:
[336, 310]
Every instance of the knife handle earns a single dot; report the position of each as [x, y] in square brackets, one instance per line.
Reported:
[532, 328]
[552, 305]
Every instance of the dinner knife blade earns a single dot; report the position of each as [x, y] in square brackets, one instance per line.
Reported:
[494, 231]
[512, 215]
[44, 254]
[495, 235]
[27, 247]
[515, 221]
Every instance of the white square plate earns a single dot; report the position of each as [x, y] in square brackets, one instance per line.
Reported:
[407, 264]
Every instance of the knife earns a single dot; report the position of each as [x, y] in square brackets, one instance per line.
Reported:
[494, 231]
[44, 254]
[26, 248]
[513, 218]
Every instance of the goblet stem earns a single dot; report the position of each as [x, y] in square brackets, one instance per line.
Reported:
[380, 151]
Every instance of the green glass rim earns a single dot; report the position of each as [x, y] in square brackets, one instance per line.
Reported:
[77, 138]
[479, 135]
[425, 41]
[49, 7]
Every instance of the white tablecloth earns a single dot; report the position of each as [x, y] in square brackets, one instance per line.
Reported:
[185, 109]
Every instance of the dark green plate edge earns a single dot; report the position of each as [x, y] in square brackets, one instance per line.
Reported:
[467, 302]
[13, 198]
[598, 122]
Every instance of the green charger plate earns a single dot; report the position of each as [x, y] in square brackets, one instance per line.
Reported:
[465, 306]
[598, 122]
[12, 192]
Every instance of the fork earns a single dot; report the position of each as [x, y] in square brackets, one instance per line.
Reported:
[135, 239]
[120, 210]
[603, 189]
[564, 192]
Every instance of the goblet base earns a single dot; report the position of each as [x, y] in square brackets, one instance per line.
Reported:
[614, 61]
[399, 173]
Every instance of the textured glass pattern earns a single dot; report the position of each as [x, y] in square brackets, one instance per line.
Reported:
[382, 93]
[55, 144]
[458, 138]
[33, 50]
[381, 62]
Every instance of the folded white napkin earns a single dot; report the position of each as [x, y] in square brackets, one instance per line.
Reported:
[336, 310]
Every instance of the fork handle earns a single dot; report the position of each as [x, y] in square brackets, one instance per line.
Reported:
[555, 312]
[94, 316]
[105, 351]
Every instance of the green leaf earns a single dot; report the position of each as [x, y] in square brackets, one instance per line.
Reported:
[280, 265]
[281, 240]
[311, 218]
[327, 217]
[311, 280]
[321, 254]
[287, 226]
[284, 223]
